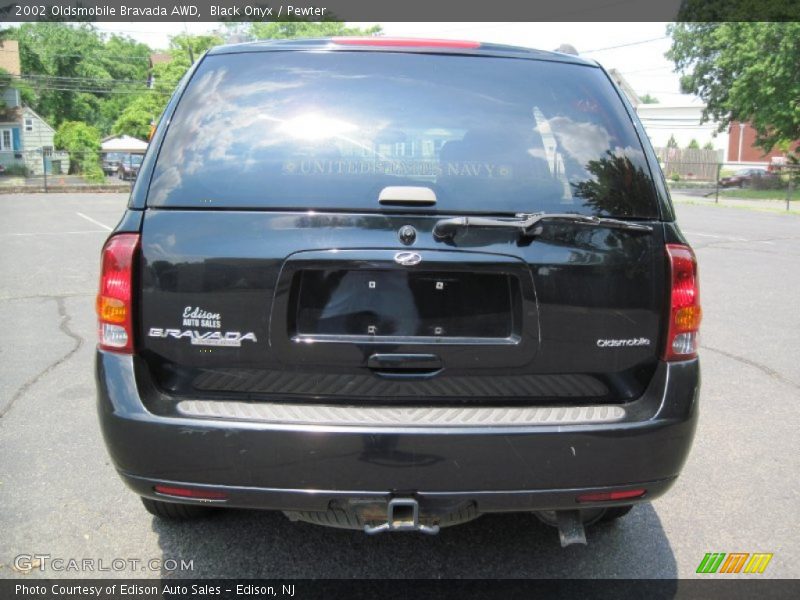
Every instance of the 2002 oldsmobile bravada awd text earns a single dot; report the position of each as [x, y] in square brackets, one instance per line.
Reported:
[392, 285]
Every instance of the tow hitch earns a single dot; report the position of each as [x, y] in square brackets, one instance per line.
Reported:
[402, 514]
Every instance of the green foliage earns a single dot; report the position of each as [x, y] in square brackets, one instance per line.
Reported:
[136, 118]
[284, 30]
[82, 141]
[708, 146]
[146, 108]
[693, 145]
[743, 71]
[74, 73]
[185, 49]
[5, 80]
[672, 142]
[648, 99]
[17, 170]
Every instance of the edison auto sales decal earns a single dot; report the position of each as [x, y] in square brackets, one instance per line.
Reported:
[203, 328]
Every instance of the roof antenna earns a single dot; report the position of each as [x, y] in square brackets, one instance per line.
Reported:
[567, 49]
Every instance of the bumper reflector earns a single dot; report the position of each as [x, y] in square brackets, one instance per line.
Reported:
[610, 496]
[180, 492]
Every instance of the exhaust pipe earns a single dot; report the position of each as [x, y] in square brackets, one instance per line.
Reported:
[570, 527]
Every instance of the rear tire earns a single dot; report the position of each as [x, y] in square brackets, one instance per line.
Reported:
[616, 512]
[175, 512]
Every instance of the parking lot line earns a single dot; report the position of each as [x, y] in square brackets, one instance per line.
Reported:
[36, 233]
[719, 237]
[91, 220]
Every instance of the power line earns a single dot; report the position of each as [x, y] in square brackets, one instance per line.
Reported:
[663, 37]
[43, 86]
[65, 79]
[662, 68]
[93, 55]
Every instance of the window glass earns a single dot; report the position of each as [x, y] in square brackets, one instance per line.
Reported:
[317, 130]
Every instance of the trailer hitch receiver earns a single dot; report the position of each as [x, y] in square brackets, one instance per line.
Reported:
[402, 514]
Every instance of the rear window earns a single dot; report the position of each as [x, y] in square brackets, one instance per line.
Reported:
[330, 130]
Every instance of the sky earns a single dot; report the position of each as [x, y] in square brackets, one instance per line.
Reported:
[635, 49]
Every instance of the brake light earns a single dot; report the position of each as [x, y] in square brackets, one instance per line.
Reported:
[685, 312]
[114, 300]
[404, 42]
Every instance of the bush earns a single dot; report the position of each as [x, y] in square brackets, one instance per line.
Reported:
[83, 144]
[17, 171]
[675, 176]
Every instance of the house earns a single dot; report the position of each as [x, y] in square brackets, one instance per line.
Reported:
[742, 147]
[681, 120]
[26, 139]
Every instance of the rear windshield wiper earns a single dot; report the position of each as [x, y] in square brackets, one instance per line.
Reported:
[526, 223]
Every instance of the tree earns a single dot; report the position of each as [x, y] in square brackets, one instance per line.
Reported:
[283, 30]
[5, 81]
[672, 142]
[648, 99]
[743, 71]
[708, 146]
[146, 107]
[75, 73]
[83, 144]
[693, 145]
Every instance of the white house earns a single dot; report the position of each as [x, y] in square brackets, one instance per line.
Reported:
[26, 140]
[682, 120]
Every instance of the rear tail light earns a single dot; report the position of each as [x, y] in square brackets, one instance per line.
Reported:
[404, 42]
[197, 494]
[611, 496]
[114, 300]
[685, 313]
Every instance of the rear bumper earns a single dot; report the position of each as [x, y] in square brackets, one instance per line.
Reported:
[304, 466]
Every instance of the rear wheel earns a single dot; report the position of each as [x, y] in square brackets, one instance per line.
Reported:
[176, 512]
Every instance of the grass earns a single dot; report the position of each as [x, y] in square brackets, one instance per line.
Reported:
[750, 194]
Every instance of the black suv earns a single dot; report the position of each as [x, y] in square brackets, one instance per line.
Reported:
[395, 284]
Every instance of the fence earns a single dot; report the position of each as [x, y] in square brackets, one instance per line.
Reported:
[754, 181]
[51, 170]
[693, 164]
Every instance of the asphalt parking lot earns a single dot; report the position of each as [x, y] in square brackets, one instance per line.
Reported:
[59, 494]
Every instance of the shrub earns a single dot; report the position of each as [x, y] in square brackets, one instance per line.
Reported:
[675, 176]
[17, 171]
[83, 144]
